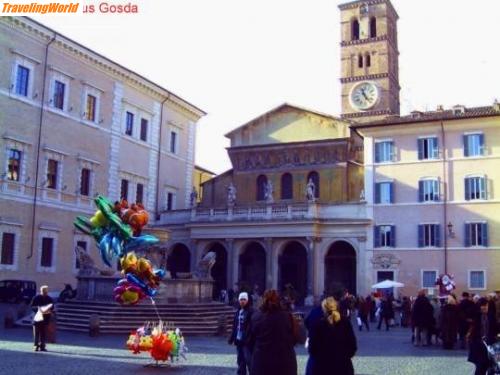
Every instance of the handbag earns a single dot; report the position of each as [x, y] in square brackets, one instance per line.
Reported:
[298, 329]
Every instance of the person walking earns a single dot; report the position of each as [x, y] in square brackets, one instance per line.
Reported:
[363, 312]
[482, 327]
[449, 323]
[43, 305]
[405, 312]
[422, 317]
[332, 343]
[386, 313]
[240, 334]
[272, 338]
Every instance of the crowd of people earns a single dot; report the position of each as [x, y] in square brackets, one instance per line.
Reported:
[265, 336]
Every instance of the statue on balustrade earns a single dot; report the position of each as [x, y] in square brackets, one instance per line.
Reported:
[311, 191]
[269, 191]
[231, 194]
[193, 197]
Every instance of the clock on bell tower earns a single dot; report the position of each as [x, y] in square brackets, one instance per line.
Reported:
[369, 60]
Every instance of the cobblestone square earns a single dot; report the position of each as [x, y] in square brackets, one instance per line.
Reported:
[379, 353]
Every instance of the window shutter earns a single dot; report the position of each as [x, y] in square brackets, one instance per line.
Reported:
[467, 235]
[377, 152]
[377, 193]
[376, 236]
[482, 149]
[437, 235]
[484, 234]
[467, 188]
[393, 236]
[393, 151]
[466, 145]
[421, 149]
[420, 235]
[484, 187]
[421, 191]
[435, 148]
[391, 192]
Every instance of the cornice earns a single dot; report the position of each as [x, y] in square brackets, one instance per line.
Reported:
[84, 54]
[367, 113]
[364, 77]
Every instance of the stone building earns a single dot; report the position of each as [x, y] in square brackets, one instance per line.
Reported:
[74, 124]
[393, 197]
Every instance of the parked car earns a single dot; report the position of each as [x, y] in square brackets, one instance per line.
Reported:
[17, 290]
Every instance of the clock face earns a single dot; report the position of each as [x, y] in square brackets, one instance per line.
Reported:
[364, 95]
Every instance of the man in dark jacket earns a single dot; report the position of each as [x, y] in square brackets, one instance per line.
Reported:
[241, 332]
[466, 309]
[422, 317]
[482, 328]
[42, 304]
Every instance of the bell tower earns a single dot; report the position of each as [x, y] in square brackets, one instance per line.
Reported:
[369, 60]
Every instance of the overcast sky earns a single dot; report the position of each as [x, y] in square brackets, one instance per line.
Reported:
[237, 59]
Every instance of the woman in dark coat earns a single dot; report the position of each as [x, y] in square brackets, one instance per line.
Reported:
[449, 323]
[332, 343]
[483, 326]
[272, 338]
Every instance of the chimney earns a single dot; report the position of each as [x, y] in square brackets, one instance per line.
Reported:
[439, 108]
[458, 109]
[496, 106]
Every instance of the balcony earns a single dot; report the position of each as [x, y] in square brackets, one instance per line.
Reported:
[295, 211]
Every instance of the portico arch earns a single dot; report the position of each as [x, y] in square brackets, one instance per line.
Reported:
[252, 266]
[292, 269]
[179, 259]
[219, 270]
[340, 267]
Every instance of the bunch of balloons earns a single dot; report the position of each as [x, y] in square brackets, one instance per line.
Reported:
[116, 228]
[161, 343]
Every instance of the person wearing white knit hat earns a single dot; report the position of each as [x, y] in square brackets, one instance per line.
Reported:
[241, 332]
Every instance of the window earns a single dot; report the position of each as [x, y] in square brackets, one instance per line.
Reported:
[475, 188]
[373, 27]
[144, 129]
[428, 190]
[85, 182]
[384, 151]
[429, 235]
[14, 168]
[52, 166]
[261, 187]
[368, 59]
[129, 123]
[83, 246]
[428, 148]
[170, 201]
[360, 61]
[429, 279]
[139, 193]
[8, 241]
[384, 192]
[473, 144]
[173, 142]
[314, 176]
[385, 236]
[59, 91]
[477, 280]
[91, 108]
[22, 80]
[286, 186]
[47, 250]
[124, 189]
[355, 30]
[476, 234]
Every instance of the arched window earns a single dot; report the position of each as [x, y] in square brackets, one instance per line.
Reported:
[368, 60]
[261, 187]
[286, 186]
[373, 27]
[314, 176]
[360, 60]
[355, 30]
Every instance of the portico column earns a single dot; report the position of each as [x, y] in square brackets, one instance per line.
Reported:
[311, 259]
[235, 261]
[269, 262]
[230, 262]
[193, 246]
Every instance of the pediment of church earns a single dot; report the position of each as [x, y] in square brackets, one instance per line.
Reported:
[288, 123]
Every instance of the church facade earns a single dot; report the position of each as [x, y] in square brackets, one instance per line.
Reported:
[321, 202]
